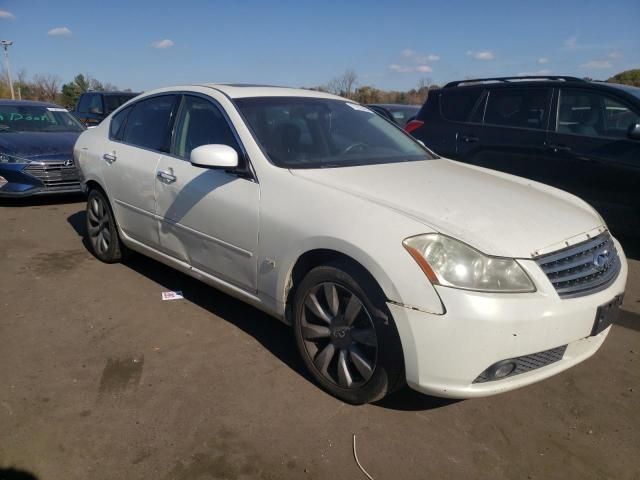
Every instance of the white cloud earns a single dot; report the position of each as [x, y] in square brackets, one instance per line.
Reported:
[59, 32]
[484, 55]
[394, 67]
[7, 15]
[597, 64]
[433, 58]
[543, 60]
[407, 53]
[571, 43]
[542, 72]
[166, 43]
[615, 55]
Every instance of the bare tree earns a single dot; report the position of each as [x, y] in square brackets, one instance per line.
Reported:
[47, 87]
[344, 84]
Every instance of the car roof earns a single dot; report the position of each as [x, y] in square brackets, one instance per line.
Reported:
[133, 94]
[394, 105]
[239, 90]
[33, 103]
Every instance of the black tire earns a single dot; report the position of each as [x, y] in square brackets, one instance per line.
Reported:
[330, 289]
[102, 232]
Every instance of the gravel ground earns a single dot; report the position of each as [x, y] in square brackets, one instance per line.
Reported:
[100, 379]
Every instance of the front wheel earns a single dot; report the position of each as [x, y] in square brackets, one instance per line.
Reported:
[102, 230]
[346, 335]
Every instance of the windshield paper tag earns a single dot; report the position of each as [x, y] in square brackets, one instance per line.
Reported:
[51, 109]
[360, 108]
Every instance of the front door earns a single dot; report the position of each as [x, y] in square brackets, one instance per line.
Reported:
[208, 217]
[591, 133]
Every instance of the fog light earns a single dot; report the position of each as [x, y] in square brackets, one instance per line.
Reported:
[3, 181]
[502, 369]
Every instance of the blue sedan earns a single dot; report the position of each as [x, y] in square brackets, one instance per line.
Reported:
[36, 149]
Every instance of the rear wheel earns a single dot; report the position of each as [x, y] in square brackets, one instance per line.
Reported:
[101, 228]
[346, 335]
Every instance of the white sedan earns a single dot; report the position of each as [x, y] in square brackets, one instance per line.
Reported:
[392, 265]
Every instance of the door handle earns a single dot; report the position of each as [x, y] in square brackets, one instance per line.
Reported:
[560, 148]
[109, 158]
[470, 138]
[166, 176]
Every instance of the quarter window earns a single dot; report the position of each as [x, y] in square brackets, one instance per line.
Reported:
[148, 123]
[515, 107]
[116, 129]
[83, 104]
[200, 122]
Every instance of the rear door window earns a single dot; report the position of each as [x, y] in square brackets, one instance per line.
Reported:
[518, 107]
[148, 123]
[458, 105]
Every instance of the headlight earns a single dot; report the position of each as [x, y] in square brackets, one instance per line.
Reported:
[454, 264]
[6, 158]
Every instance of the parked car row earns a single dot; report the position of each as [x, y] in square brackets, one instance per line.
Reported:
[392, 264]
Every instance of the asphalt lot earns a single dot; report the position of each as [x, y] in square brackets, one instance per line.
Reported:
[101, 379]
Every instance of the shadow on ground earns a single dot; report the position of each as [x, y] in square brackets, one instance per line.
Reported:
[268, 331]
[15, 474]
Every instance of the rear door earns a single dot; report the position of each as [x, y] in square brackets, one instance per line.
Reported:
[139, 135]
[591, 134]
[208, 217]
[507, 132]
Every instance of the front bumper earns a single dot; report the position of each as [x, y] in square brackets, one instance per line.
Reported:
[444, 354]
[25, 180]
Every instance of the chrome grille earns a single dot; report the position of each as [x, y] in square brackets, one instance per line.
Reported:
[584, 268]
[527, 363]
[55, 175]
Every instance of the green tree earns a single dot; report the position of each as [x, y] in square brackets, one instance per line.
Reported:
[628, 77]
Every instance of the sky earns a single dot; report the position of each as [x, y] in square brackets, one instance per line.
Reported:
[142, 44]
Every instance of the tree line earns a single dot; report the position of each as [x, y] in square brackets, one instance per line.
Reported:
[47, 87]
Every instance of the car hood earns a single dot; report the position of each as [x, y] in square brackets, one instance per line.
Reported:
[498, 214]
[38, 145]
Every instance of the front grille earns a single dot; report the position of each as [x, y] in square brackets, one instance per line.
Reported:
[55, 175]
[584, 268]
[527, 363]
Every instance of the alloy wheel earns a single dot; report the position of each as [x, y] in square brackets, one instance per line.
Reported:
[339, 335]
[99, 225]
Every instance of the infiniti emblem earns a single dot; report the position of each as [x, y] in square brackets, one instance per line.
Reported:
[601, 260]
[340, 332]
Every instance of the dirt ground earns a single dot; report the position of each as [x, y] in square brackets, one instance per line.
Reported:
[101, 379]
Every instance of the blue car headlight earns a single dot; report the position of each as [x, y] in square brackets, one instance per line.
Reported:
[6, 158]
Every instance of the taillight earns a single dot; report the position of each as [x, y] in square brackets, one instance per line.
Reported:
[413, 125]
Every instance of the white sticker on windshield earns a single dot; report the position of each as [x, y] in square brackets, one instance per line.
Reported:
[51, 109]
[360, 108]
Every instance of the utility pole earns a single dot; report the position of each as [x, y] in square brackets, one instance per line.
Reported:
[6, 44]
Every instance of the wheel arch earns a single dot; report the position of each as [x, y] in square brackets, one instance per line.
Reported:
[316, 257]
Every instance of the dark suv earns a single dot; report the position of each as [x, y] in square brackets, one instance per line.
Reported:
[93, 107]
[577, 135]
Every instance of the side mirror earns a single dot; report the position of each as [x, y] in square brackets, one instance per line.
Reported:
[214, 156]
[634, 131]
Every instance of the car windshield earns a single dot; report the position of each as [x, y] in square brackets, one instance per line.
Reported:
[300, 132]
[112, 102]
[403, 114]
[37, 118]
